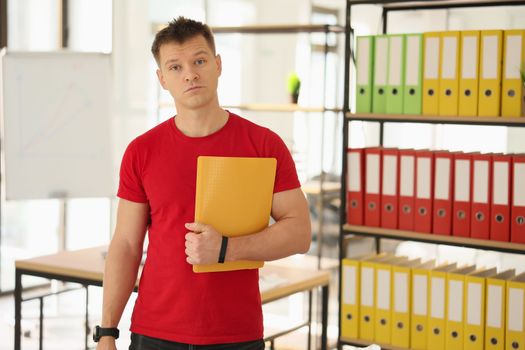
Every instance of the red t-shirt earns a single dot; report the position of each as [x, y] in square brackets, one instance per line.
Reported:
[173, 302]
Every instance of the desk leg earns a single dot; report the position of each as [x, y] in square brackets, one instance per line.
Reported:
[18, 308]
[309, 319]
[324, 331]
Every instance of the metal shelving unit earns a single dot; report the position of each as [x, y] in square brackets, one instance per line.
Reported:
[379, 233]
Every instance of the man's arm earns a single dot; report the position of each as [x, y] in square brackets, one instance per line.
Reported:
[122, 264]
[290, 234]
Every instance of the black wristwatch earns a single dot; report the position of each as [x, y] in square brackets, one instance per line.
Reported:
[100, 332]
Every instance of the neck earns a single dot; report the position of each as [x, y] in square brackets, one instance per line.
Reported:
[200, 123]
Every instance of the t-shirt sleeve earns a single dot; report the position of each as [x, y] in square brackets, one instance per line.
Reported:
[130, 184]
[286, 176]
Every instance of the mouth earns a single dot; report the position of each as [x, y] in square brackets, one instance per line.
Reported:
[193, 88]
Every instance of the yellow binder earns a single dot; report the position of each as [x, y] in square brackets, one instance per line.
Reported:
[419, 306]
[515, 324]
[513, 94]
[350, 298]
[437, 299]
[431, 49]
[495, 310]
[490, 73]
[469, 73]
[449, 73]
[454, 292]
[401, 286]
[474, 309]
[234, 195]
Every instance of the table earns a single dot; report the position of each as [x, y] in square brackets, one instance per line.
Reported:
[86, 267]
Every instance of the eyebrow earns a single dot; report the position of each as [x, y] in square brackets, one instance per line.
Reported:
[175, 60]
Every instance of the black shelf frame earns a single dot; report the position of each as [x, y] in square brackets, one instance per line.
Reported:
[387, 7]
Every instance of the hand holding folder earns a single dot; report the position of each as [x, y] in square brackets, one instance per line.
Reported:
[234, 195]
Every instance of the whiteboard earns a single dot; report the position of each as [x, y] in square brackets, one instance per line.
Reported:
[56, 131]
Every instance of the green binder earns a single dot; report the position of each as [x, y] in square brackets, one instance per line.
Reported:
[413, 74]
[380, 74]
[364, 73]
[396, 76]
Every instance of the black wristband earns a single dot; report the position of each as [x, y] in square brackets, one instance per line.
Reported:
[222, 253]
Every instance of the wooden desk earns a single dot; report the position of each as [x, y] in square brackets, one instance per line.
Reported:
[86, 267]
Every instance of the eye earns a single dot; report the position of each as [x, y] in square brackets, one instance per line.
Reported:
[175, 67]
[200, 61]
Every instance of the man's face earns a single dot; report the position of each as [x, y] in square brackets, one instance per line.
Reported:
[190, 72]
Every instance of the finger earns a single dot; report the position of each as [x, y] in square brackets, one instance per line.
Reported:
[191, 237]
[195, 226]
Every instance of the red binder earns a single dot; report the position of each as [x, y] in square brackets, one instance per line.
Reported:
[424, 187]
[407, 187]
[442, 204]
[517, 229]
[373, 186]
[481, 184]
[389, 187]
[500, 199]
[461, 198]
[354, 186]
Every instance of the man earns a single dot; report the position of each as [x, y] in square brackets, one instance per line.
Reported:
[175, 307]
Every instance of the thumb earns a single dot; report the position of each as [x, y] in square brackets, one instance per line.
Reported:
[195, 226]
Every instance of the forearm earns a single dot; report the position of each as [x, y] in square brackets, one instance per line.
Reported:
[284, 238]
[120, 275]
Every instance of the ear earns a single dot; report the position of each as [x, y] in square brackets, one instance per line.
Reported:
[218, 62]
[161, 79]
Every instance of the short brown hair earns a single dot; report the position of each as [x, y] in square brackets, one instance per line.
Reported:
[179, 31]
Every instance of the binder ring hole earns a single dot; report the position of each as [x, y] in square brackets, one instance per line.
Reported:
[412, 91]
[419, 328]
[436, 331]
[520, 220]
[348, 316]
[441, 213]
[488, 93]
[472, 338]
[454, 334]
[493, 341]
[468, 92]
[367, 318]
[448, 92]
[400, 325]
[394, 91]
[381, 91]
[383, 322]
[431, 92]
[353, 204]
[389, 207]
[362, 91]
[406, 209]
[372, 205]
[511, 93]
[480, 216]
[461, 214]
[515, 345]
[422, 211]
[499, 217]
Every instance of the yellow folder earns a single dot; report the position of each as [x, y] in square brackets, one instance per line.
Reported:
[431, 50]
[350, 298]
[490, 73]
[437, 298]
[234, 195]
[469, 73]
[496, 295]
[454, 292]
[449, 73]
[513, 94]
[474, 309]
[401, 286]
[515, 324]
[419, 306]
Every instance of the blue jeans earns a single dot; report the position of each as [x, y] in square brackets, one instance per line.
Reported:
[142, 342]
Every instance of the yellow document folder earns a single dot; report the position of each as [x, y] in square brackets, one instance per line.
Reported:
[234, 195]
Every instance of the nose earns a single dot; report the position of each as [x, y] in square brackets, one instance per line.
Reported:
[191, 76]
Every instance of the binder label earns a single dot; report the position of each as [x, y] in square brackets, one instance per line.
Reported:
[462, 181]
[367, 286]
[442, 178]
[513, 57]
[432, 58]
[473, 304]
[494, 308]
[490, 60]
[383, 289]
[412, 60]
[419, 295]
[349, 278]
[389, 175]
[501, 183]
[396, 53]
[423, 178]
[449, 58]
[372, 173]
[455, 302]
[354, 172]
[363, 50]
[481, 181]
[519, 185]
[407, 176]
[380, 71]
[515, 309]
[437, 306]
[469, 59]
[401, 292]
